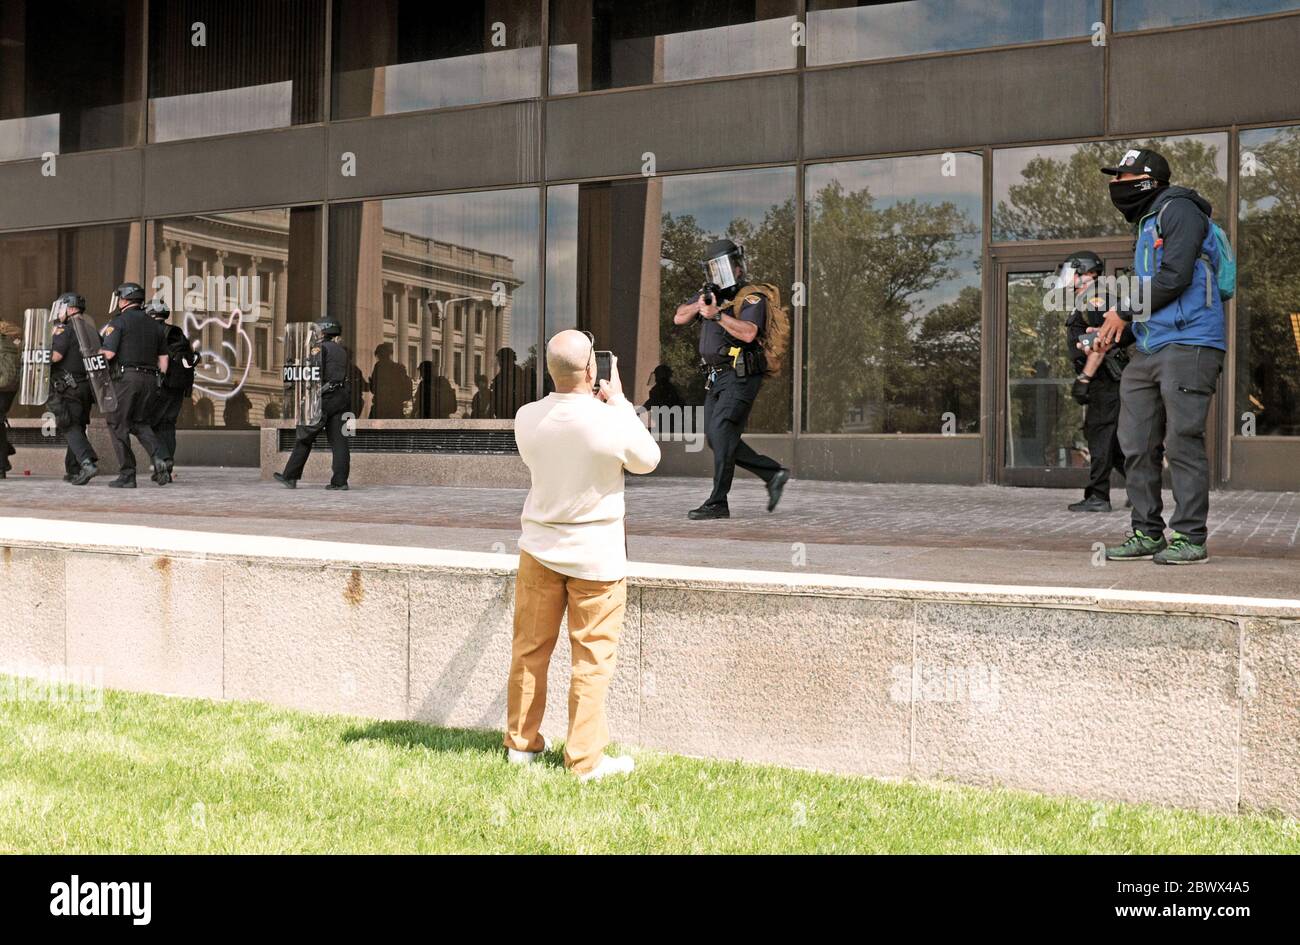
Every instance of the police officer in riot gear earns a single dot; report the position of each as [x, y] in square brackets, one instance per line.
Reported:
[71, 396]
[336, 403]
[135, 345]
[732, 357]
[177, 380]
[1097, 384]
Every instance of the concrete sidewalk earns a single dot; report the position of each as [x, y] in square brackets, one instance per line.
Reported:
[981, 534]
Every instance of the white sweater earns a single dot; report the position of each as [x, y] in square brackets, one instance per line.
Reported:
[576, 448]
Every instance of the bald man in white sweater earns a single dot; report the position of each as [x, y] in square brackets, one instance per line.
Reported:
[576, 443]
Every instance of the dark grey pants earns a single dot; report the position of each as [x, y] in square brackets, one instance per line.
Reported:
[1165, 398]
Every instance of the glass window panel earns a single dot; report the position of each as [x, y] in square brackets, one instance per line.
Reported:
[233, 280]
[1044, 423]
[1057, 192]
[52, 103]
[36, 267]
[405, 55]
[622, 255]
[848, 31]
[894, 300]
[225, 66]
[1268, 282]
[1151, 14]
[447, 252]
[604, 44]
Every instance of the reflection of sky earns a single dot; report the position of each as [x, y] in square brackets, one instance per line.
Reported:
[1149, 14]
[894, 180]
[227, 111]
[29, 137]
[461, 80]
[717, 199]
[1250, 141]
[883, 30]
[503, 222]
[561, 257]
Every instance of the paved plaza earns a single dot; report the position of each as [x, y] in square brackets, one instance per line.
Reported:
[984, 534]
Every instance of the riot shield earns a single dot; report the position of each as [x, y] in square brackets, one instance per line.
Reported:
[96, 365]
[38, 340]
[302, 373]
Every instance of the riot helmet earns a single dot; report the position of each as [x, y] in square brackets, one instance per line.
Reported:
[725, 265]
[1076, 265]
[156, 308]
[72, 300]
[126, 292]
[329, 327]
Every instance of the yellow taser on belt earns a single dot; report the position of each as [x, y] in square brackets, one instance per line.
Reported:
[735, 353]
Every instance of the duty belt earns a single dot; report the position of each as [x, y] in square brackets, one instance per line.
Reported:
[143, 369]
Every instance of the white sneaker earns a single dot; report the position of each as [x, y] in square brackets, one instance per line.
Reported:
[623, 764]
[527, 757]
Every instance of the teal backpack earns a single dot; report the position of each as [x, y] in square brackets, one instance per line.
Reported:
[1225, 273]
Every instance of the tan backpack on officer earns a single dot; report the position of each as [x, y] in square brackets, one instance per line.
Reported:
[775, 338]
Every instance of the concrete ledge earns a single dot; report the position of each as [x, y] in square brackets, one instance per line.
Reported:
[1178, 699]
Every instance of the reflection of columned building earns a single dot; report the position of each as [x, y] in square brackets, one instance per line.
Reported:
[440, 306]
[242, 262]
[435, 302]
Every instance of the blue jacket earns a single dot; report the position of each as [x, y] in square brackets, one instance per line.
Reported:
[1183, 296]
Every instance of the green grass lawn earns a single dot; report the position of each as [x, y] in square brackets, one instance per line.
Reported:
[153, 774]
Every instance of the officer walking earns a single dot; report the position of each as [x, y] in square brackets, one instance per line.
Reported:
[1097, 385]
[178, 380]
[134, 345]
[731, 333]
[336, 403]
[71, 395]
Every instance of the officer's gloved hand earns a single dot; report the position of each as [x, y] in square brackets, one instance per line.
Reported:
[1079, 391]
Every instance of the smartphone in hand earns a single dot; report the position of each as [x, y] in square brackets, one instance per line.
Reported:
[604, 366]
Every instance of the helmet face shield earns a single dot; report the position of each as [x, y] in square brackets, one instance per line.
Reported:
[724, 271]
[1068, 276]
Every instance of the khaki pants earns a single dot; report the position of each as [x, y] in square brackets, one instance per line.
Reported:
[595, 620]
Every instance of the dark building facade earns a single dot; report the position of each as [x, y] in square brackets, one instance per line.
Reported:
[455, 182]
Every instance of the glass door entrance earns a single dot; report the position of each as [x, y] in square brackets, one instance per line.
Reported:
[1040, 427]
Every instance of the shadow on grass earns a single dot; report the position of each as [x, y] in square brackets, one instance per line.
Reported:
[418, 735]
[450, 740]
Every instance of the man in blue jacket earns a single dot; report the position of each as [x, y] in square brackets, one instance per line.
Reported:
[1175, 360]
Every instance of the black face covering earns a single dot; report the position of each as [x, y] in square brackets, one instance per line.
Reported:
[1133, 197]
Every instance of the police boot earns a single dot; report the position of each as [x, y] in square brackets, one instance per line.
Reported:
[1092, 503]
[285, 480]
[709, 511]
[160, 473]
[123, 482]
[88, 472]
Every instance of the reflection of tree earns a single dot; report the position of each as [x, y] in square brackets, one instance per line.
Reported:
[769, 253]
[1268, 336]
[1068, 199]
[877, 362]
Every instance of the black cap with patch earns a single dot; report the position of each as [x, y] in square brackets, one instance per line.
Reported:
[1141, 161]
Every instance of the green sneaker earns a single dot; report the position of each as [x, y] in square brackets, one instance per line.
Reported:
[1182, 550]
[1139, 545]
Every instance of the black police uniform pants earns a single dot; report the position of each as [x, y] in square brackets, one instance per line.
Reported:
[166, 409]
[726, 410]
[135, 396]
[1165, 398]
[6, 401]
[334, 407]
[1101, 429]
[71, 409]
